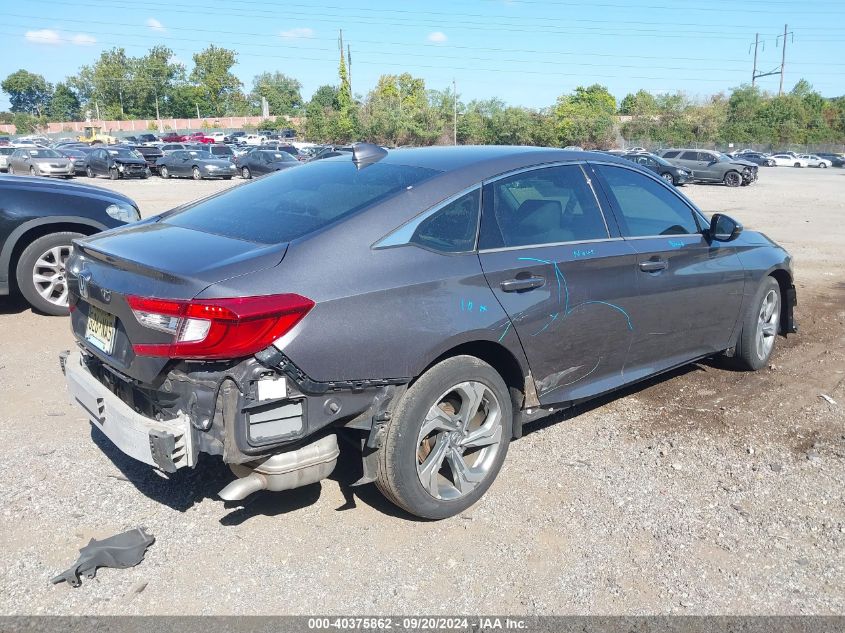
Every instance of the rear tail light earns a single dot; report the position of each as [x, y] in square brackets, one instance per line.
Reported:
[217, 328]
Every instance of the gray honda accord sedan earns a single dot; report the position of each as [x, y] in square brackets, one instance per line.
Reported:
[426, 302]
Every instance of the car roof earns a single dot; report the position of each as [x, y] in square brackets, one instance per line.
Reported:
[454, 157]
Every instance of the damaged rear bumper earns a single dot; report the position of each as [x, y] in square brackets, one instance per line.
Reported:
[165, 444]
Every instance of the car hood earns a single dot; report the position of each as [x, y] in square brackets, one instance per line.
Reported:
[218, 162]
[130, 161]
[744, 163]
[64, 187]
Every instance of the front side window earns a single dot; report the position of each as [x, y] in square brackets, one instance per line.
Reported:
[646, 207]
[452, 228]
[541, 206]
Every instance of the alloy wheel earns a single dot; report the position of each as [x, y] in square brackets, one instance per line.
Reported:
[458, 441]
[668, 178]
[197, 174]
[49, 276]
[767, 323]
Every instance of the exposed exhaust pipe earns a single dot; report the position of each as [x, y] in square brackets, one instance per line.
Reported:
[284, 471]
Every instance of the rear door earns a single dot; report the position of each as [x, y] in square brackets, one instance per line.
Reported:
[565, 278]
[690, 160]
[689, 290]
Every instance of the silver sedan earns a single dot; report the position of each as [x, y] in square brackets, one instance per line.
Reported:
[40, 161]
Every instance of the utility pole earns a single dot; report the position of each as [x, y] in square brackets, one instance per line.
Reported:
[782, 61]
[198, 111]
[754, 71]
[455, 116]
[349, 67]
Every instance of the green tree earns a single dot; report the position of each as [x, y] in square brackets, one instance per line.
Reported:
[282, 93]
[586, 117]
[641, 103]
[212, 73]
[64, 106]
[27, 92]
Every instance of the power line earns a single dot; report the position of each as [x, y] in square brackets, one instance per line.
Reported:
[487, 25]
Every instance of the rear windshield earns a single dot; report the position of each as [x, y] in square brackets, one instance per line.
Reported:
[293, 203]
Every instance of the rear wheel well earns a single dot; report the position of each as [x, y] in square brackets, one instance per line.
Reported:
[784, 280]
[40, 231]
[499, 358]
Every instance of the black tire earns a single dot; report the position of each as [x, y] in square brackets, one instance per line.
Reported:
[747, 353]
[399, 455]
[90, 172]
[26, 268]
[246, 174]
[733, 179]
[11, 170]
[147, 173]
[114, 174]
[163, 172]
[822, 165]
[797, 165]
[669, 178]
[195, 172]
[32, 171]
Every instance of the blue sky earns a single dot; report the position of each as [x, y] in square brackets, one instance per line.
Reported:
[526, 52]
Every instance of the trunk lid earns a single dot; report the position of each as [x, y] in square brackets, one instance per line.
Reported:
[150, 259]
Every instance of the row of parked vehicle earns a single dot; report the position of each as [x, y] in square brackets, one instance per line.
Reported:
[169, 160]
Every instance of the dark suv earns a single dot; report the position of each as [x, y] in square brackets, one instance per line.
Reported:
[38, 221]
[426, 302]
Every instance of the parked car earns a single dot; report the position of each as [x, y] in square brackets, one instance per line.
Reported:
[816, 161]
[116, 162]
[199, 137]
[219, 150]
[5, 152]
[173, 137]
[150, 154]
[331, 151]
[711, 166]
[253, 139]
[280, 147]
[147, 139]
[39, 218]
[437, 328]
[836, 160]
[78, 158]
[218, 137]
[172, 147]
[195, 164]
[5, 140]
[666, 170]
[787, 160]
[757, 158]
[261, 161]
[39, 161]
[129, 140]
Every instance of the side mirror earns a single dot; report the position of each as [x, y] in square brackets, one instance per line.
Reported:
[724, 228]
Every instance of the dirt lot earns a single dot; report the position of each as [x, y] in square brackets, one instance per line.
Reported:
[706, 491]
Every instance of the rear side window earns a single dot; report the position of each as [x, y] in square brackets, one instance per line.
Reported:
[452, 228]
[671, 154]
[542, 206]
[295, 202]
[690, 156]
[647, 207]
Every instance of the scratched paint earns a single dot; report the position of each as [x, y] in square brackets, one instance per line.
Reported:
[579, 252]
[563, 298]
[467, 305]
[676, 243]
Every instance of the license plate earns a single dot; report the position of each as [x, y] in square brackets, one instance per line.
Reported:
[100, 329]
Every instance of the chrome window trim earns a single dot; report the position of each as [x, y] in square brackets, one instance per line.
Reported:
[401, 236]
[548, 244]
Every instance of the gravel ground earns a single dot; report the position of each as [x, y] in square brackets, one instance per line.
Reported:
[704, 491]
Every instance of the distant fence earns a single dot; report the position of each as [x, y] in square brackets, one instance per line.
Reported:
[153, 125]
[766, 148]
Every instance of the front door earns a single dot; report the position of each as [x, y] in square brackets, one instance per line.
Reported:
[563, 276]
[689, 289]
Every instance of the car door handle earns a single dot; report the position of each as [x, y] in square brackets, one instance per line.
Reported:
[518, 285]
[654, 265]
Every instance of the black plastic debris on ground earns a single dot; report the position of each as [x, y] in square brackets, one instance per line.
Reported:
[119, 551]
